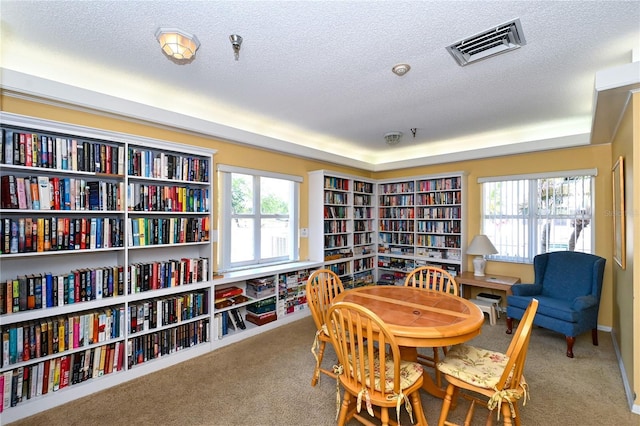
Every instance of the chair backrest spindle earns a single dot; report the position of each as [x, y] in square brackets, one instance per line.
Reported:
[432, 278]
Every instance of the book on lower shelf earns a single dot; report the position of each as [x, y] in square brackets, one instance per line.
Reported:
[261, 319]
[237, 317]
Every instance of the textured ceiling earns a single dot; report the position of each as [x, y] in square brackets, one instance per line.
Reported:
[314, 77]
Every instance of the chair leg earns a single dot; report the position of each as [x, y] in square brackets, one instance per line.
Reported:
[344, 409]
[594, 336]
[469, 417]
[418, 409]
[509, 325]
[316, 371]
[570, 341]
[516, 420]
[446, 404]
[506, 414]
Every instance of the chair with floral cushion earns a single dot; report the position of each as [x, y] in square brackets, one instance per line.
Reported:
[432, 278]
[370, 368]
[322, 286]
[494, 375]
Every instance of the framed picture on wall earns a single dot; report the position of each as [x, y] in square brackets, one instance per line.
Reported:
[619, 243]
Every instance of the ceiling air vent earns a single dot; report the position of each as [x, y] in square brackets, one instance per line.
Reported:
[500, 39]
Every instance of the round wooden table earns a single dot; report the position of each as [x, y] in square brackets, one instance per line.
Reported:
[420, 318]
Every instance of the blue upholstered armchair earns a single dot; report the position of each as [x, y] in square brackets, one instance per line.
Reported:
[568, 286]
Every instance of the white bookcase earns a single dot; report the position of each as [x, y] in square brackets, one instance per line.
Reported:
[146, 295]
[342, 231]
[409, 222]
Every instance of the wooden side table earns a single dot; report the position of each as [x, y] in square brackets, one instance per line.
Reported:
[496, 282]
[491, 281]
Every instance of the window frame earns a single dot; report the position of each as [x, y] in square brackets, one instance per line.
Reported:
[226, 216]
[532, 216]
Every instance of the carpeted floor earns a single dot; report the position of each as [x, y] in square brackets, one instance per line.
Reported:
[265, 380]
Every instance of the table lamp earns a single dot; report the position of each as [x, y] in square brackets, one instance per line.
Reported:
[480, 246]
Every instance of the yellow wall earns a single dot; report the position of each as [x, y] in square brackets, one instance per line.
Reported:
[238, 155]
[633, 365]
[625, 305]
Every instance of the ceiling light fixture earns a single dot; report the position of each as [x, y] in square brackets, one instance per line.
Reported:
[236, 43]
[401, 69]
[393, 138]
[177, 44]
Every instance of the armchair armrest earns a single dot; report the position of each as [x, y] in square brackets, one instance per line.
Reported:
[581, 303]
[526, 289]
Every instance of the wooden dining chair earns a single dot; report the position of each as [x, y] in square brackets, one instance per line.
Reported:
[370, 368]
[494, 375]
[432, 278]
[322, 286]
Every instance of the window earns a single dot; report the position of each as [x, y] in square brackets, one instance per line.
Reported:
[259, 217]
[527, 215]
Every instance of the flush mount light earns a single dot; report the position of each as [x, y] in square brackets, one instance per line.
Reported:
[401, 69]
[177, 44]
[393, 138]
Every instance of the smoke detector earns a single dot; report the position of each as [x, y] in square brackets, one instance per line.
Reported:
[500, 39]
[393, 138]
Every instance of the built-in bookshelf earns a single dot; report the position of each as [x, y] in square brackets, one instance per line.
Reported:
[106, 264]
[385, 228]
[420, 223]
[105, 260]
[342, 231]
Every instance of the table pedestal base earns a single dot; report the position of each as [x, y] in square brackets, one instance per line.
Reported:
[411, 354]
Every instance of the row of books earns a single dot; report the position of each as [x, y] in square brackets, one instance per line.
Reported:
[51, 375]
[336, 198]
[439, 184]
[439, 212]
[167, 198]
[396, 200]
[395, 239]
[162, 165]
[38, 291]
[35, 339]
[336, 212]
[438, 198]
[227, 321]
[56, 193]
[439, 241]
[43, 234]
[362, 200]
[164, 342]
[150, 314]
[395, 225]
[53, 152]
[396, 188]
[365, 187]
[331, 182]
[164, 274]
[439, 226]
[146, 231]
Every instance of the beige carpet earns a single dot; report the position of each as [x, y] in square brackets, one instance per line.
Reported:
[265, 380]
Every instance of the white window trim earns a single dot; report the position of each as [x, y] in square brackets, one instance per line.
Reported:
[529, 176]
[544, 175]
[224, 207]
[255, 172]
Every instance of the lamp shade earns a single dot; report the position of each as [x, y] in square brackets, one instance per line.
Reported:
[177, 44]
[481, 245]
